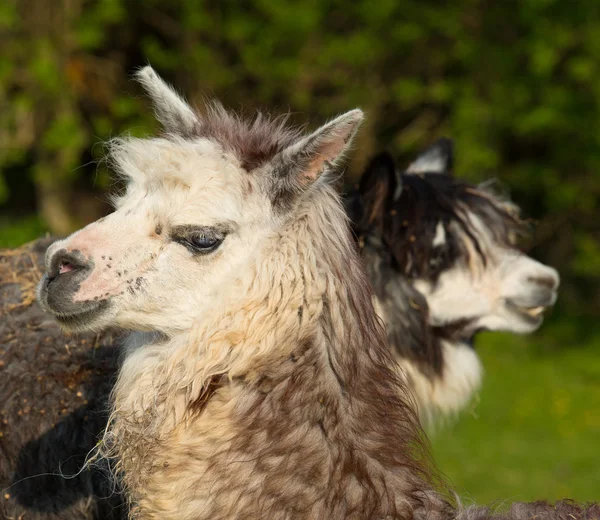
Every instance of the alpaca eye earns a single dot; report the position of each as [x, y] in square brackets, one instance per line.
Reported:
[204, 243]
[199, 239]
[436, 260]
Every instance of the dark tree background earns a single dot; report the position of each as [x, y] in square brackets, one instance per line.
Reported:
[516, 83]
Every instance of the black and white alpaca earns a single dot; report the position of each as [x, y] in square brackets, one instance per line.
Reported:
[265, 390]
[442, 259]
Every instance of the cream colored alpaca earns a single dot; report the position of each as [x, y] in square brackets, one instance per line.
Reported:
[263, 386]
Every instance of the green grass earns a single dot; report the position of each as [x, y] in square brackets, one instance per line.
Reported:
[534, 431]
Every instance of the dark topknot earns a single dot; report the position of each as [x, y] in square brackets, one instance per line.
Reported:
[395, 220]
[430, 199]
[254, 140]
[407, 225]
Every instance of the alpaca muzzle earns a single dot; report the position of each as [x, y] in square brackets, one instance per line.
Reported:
[56, 291]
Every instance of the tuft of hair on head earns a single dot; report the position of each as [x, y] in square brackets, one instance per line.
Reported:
[407, 210]
[172, 111]
[437, 158]
[290, 161]
[254, 141]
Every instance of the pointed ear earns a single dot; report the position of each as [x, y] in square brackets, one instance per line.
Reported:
[301, 164]
[176, 116]
[438, 158]
[379, 183]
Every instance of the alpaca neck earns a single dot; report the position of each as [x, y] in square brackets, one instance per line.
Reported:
[444, 395]
[294, 379]
[274, 305]
[442, 369]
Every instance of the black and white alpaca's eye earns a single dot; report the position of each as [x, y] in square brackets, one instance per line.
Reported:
[436, 260]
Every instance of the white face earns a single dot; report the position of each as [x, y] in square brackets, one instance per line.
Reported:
[508, 293]
[191, 223]
[188, 221]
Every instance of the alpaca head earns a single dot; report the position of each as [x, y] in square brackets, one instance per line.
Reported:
[198, 203]
[455, 242]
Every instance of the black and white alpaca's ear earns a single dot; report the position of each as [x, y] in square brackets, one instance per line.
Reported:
[380, 181]
[176, 116]
[301, 164]
[438, 158]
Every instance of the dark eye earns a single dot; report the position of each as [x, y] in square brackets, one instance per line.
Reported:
[436, 259]
[199, 239]
[204, 243]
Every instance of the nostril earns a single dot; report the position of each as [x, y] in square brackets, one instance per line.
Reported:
[545, 281]
[64, 262]
[65, 267]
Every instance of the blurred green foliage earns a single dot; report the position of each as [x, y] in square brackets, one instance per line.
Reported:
[516, 83]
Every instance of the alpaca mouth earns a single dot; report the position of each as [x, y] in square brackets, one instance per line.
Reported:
[83, 318]
[532, 314]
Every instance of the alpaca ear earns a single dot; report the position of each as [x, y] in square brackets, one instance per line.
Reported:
[438, 158]
[176, 116]
[299, 165]
[380, 183]
[368, 200]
